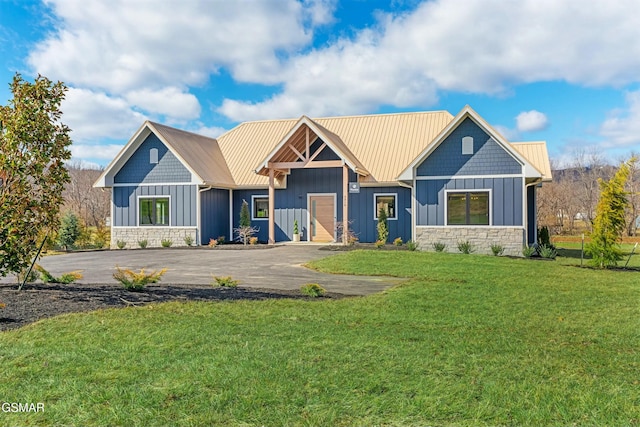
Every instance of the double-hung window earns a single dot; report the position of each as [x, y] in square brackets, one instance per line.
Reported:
[468, 208]
[154, 211]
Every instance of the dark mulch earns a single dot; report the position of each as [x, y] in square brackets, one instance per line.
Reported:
[39, 301]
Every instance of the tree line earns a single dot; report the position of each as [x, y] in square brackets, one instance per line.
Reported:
[567, 205]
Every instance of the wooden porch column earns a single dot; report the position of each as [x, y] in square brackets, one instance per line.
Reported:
[272, 227]
[345, 204]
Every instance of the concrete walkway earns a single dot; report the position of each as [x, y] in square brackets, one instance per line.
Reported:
[278, 267]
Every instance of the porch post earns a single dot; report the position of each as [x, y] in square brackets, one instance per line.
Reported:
[272, 228]
[345, 204]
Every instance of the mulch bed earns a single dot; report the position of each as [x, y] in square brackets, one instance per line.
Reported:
[39, 301]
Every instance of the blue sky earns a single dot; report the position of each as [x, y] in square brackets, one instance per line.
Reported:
[566, 72]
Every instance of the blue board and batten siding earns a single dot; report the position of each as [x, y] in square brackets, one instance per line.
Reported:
[182, 209]
[139, 169]
[487, 163]
[506, 199]
[291, 203]
[214, 217]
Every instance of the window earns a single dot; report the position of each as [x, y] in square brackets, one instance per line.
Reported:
[468, 208]
[467, 145]
[154, 211]
[153, 156]
[260, 207]
[386, 201]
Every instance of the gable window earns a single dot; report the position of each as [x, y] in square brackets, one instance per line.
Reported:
[467, 145]
[260, 209]
[386, 201]
[154, 211]
[153, 156]
[468, 208]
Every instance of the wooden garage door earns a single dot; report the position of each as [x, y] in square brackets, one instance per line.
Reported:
[322, 219]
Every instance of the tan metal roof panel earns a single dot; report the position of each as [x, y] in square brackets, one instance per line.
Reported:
[536, 153]
[201, 153]
[383, 144]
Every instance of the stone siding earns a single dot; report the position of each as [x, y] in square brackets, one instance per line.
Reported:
[153, 236]
[510, 238]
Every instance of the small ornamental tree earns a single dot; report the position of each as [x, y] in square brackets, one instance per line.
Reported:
[34, 146]
[245, 230]
[383, 229]
[69, 230]
[609, 223]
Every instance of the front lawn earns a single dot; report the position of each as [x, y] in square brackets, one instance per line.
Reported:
[467, 340]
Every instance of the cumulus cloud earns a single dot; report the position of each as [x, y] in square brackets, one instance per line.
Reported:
[122, 45]
[455, 45]
[531, 121]
[93, 115]
[622, 127]
[168, 101]
[88, 151]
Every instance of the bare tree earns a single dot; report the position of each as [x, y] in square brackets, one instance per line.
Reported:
[633, 193]
[88, 203]
[587, 167]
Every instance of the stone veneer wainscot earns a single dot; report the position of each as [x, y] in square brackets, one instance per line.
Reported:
[510, 238]
[153, 236]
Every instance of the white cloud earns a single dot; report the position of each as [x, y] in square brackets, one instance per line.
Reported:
[531, 121]
[95, 115]
[123, 45]
[457, 45]
[168, 101]
[622, 127]
[89, 151]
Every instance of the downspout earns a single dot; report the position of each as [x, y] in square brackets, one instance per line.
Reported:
[199, 215]
[526, 216]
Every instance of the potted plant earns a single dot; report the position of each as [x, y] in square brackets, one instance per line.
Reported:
[296, 231]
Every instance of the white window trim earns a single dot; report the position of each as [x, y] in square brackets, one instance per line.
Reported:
[467, 190]
[253, 198]
[375, 205]
[467, 145]
[154, 196]
[154, 158]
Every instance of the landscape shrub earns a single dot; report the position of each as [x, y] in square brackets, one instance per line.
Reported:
[379, 244]
[352, 237]
[411, 245]
[466, 247]
[69, 230]
[221, 240]
[439, 246]
[497, 249]
[245, 230]
[188, 240]
[121, 244]
[225, 282]
[397, 241]
[65, 278]
[213, 242]
[253, 240]
[547, 251]
[166, 243]
[143, 243]
[133, 281]
[382, 227]
[312, 290]
[528, 251]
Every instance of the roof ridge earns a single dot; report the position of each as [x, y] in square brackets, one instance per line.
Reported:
[180, 130]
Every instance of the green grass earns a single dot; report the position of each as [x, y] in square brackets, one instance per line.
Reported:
[467, 340]
[569, 254]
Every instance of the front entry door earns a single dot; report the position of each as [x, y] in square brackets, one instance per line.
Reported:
[322, 219]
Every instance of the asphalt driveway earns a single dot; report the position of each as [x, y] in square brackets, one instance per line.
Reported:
[279, 267]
